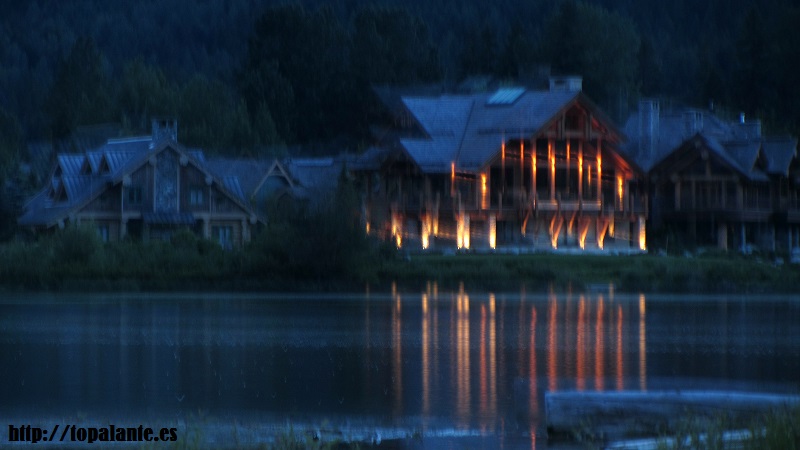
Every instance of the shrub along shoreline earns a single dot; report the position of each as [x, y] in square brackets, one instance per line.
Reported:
[277, 260]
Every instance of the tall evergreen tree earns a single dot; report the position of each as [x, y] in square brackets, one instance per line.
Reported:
[601, 46]
[392, 46]
[80, 94]
[752, 74]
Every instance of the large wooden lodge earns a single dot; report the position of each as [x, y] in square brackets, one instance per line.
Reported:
[516, 168]
[717, 183]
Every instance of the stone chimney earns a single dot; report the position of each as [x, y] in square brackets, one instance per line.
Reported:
[566, 84]
[164, 128]
[649, 116]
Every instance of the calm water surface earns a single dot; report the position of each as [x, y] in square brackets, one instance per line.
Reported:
[444, 365]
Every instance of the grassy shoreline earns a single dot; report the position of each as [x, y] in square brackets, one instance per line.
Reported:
[160, 267]
[718, 273]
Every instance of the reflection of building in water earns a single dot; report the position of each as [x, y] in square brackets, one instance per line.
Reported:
[599, 349]
[463, 388]
[488, 363]
[593, 337]
[642, 346]
[426, 357]
[397, 349]
[498, 350]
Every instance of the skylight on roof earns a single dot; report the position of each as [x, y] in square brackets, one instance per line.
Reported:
[505, 96]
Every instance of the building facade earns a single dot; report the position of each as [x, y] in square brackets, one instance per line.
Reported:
[515, 168]
[144, 187]
[715, 182]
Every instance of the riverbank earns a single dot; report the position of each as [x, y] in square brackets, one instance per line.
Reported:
[167, 271]
[713, 273]
[76, 260]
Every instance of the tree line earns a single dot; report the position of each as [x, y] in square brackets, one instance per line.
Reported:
[257, 78]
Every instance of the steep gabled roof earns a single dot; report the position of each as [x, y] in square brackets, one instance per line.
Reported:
[744, 154]
[314, 175]
[121, 157]
[779, 153]
[739, 144]
[249, 174]
[468, 129]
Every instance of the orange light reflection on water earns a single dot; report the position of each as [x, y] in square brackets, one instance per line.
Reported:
[599, 350]
[597, 321]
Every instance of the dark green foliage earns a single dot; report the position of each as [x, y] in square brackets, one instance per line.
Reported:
[303, 70]
[80, 94]
[143, 92]
[76, 245]
[392, 46]
[321, 242]
[603, 47]
[213, 116]
[310, 50]
[752, 78]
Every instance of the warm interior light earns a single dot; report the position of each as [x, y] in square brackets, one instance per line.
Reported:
[460, 232]
[492, 231]
[466, 231]
[599, 168]
[619, 189]
[484, 192]
[582, 237]
[425, 231]
[642, 234]
[397, 230]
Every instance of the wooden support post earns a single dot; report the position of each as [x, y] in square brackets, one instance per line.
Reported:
[568, 155]
[502, 168]
[580, 174]
[599, 171]
[556, 223]
[551, 159]
[722, 236]
[602, 227]
[492, 231]
[570, 225]
[642, 233]
[533, 170]
[743, 241]
[583, 229]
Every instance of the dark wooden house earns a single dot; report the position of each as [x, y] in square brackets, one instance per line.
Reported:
[143, 187]
[715, 182]
[516, 168]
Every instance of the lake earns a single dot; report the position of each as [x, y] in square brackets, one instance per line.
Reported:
[449, 369]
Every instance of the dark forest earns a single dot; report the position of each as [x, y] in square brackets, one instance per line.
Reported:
[252, 78]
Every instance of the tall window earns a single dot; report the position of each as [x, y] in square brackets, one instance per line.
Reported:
[196, 197]
[223, 235]
[102, 230]
[135, 195]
